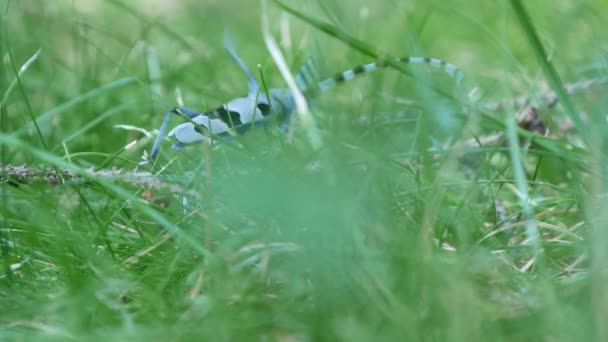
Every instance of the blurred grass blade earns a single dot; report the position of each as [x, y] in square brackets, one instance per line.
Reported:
[22, 70]
[98, 120]
[124, 195]
[154, 73]
[332, 31]
[43, 118]
[187, 45]
[553, 77]
[301, 106]
[351, 41]
[532, 234]
[11, 58]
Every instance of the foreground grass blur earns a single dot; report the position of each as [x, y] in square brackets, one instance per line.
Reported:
[382, 233]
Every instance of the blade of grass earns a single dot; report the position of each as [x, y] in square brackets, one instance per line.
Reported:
[164, 28]
[97, 121]
[532, 233]
[552, 76]
[5, 238]
[118, 63]
[124, 195]
[355, 43]
[26, 100]
[22, 70]
[351, 41]
[302, 107]
[46, 116]
[24, 95]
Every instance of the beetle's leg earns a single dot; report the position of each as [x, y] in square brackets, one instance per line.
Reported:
[161, 133]
[159, 138]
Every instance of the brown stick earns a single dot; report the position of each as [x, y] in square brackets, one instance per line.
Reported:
[45, 174]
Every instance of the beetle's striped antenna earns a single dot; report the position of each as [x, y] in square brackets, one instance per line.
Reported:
[350, 74]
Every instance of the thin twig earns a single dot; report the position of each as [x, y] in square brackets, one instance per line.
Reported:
[16, 175]
[549, 98]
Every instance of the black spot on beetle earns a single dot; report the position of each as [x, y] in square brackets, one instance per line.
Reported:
[264, 108]
[358, 69]
[230, 118]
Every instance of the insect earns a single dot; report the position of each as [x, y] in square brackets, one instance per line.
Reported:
[258, 106]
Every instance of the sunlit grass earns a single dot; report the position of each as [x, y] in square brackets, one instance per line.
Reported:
[395, 227]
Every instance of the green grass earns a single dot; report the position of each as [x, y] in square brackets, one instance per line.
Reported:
[382, 233]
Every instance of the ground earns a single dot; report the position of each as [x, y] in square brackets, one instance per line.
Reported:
[424, 209]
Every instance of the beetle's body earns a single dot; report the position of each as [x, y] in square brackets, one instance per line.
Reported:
[241, 113]
[234, 117]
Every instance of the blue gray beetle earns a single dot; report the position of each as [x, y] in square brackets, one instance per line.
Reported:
[258, 106]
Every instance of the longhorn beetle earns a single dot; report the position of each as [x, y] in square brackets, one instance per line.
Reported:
[239, 114]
